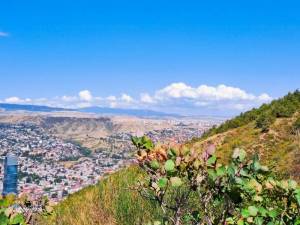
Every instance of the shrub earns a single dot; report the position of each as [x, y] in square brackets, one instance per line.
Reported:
[296, 126]
[283, 110]
[265, 121]
[194, 188]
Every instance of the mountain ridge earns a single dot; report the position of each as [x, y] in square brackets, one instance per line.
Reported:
[97, 110]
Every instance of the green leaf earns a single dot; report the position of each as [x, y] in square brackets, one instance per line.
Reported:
[212, 160]
[239, 180]
[256, 165]
[297, 195]
[252, 210]
[221, 171]
[174, 151]
[136, 141]
[147, 143]
[240, 222]
[171, 154]
[231, 170]
[3, 219]
[154, 164]
[297, 222]
[4, 202]
[263, 212]
[245, 213]
[212, 174]
[244, 173]
[162, 182]
[18, 219]
[273, 213]
[229, 220]
[176, 181]
[258, 221]
[169, 165]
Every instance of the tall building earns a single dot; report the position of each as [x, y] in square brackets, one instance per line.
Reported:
[10, 181]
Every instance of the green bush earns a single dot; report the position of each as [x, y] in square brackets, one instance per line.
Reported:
[283, 109]
[264, 121]
[194, 188]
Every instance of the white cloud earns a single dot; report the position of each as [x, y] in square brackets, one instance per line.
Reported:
[4, 34]
[176, 98]
[85, 95]
[66, 98]
[126, 98]
[264, 97]
[204, 97]
[146, 98]
[111, 98]
[14, 100]
[220, 92]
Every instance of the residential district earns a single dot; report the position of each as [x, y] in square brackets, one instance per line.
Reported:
[53, 167]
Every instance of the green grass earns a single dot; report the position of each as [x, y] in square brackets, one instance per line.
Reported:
[112, 201]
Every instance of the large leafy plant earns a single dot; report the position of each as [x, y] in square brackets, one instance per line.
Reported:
[22, 211]
[9, 213]
[193, 188]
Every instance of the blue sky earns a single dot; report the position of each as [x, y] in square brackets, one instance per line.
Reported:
[176, 53]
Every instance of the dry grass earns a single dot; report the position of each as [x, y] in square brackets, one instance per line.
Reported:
[278, 148]
[110, 202]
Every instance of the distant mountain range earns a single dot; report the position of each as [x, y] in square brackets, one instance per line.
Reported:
[132, 112]
[97, 110]
[31, 108]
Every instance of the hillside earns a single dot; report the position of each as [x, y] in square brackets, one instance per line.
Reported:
[109, 132]
[108, 203]
[272, 131]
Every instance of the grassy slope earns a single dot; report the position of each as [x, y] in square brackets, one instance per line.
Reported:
[107, 203]
[278, 147]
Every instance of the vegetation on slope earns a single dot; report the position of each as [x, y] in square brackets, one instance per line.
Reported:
[263, 116]
[112, 201]
[272, 131]
[194, 188]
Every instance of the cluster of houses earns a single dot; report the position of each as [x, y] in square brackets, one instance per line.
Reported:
[53, 167]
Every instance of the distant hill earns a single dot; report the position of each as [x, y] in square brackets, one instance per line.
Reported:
[32, 108]
[97, 110]
[131, 112]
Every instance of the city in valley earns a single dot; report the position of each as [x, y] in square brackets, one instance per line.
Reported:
[60, 153]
